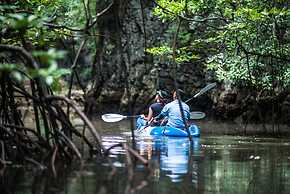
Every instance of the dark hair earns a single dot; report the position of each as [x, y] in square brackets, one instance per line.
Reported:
[163, 94]
[165, 97]
[182, 94]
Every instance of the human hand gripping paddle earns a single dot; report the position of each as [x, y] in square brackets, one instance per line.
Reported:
[112, 117]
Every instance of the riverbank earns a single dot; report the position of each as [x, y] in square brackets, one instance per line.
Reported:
[238, 128]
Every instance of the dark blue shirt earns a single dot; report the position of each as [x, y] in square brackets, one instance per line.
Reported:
[156, 108]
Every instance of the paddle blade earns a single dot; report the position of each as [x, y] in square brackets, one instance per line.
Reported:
[110, 118]
[197, 115]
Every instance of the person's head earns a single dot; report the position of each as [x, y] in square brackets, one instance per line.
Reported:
[161, 96]
[181, 94]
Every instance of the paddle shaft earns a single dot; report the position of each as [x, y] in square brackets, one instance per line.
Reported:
[202, 91]
[117, 117]
[132, 116]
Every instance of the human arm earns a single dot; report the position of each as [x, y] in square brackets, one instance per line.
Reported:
[163, 113]
[150, 114]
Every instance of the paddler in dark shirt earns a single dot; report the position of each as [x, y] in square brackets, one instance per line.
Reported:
[161, 99]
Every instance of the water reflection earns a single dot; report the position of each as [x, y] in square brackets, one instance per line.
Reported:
[219, 164]
[208, 165]
[173, 154]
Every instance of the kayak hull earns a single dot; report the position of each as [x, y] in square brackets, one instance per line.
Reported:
[166, 130]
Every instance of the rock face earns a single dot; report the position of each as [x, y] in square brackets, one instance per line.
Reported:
[126, 77]
[249, 107]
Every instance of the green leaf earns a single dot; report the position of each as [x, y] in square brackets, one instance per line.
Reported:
[17, 76]
[8, 67]
[49, 80]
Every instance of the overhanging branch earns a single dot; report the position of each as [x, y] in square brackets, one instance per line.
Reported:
[80, 29]
[187, 18]
[31, 61]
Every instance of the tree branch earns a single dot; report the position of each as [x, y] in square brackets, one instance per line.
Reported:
[31, 61]
[81, 114]
[80, 29]
[269, 55]
[187, 18]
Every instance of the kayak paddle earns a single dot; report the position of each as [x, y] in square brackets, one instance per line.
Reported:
[202, 91]
[197, 115]
[111, 117]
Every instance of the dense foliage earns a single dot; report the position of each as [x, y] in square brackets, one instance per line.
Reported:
[42, 28]
[246, 42]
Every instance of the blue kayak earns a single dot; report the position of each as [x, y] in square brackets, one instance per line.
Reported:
[144, 130]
